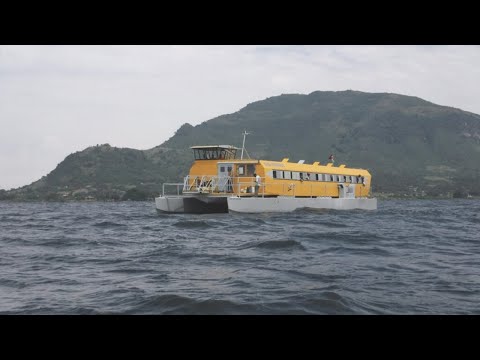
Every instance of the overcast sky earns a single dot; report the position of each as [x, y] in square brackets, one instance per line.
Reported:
[56, 100]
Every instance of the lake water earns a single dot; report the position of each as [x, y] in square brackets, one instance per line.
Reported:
[407, 257]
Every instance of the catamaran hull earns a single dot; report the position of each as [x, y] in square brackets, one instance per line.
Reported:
[222, 204]
[192, 204]
[287, 204]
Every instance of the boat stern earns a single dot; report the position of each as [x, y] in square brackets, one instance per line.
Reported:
[170, 204]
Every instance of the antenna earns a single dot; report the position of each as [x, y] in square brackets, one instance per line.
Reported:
[243, 145]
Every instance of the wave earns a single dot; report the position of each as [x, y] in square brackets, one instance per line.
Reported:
[108, 224]
[192, 224]
[274, 245]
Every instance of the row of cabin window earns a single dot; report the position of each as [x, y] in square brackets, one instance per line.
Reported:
[294, 175]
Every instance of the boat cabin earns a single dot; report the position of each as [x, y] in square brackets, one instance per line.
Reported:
[217, 171]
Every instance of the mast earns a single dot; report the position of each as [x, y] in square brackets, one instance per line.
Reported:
[243, 145]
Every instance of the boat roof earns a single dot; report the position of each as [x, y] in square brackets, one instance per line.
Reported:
[240, 161]
[214, 147]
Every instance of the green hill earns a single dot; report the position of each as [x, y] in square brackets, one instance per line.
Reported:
[412, 147]
[104, 172]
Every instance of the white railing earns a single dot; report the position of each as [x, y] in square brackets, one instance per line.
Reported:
[177, 185]
[204, 184]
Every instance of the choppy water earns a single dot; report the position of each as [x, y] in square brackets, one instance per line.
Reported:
[408, 257]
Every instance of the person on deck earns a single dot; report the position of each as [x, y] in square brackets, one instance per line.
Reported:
[257, 183]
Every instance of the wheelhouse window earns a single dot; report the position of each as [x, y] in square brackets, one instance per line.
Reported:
[214, 153]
